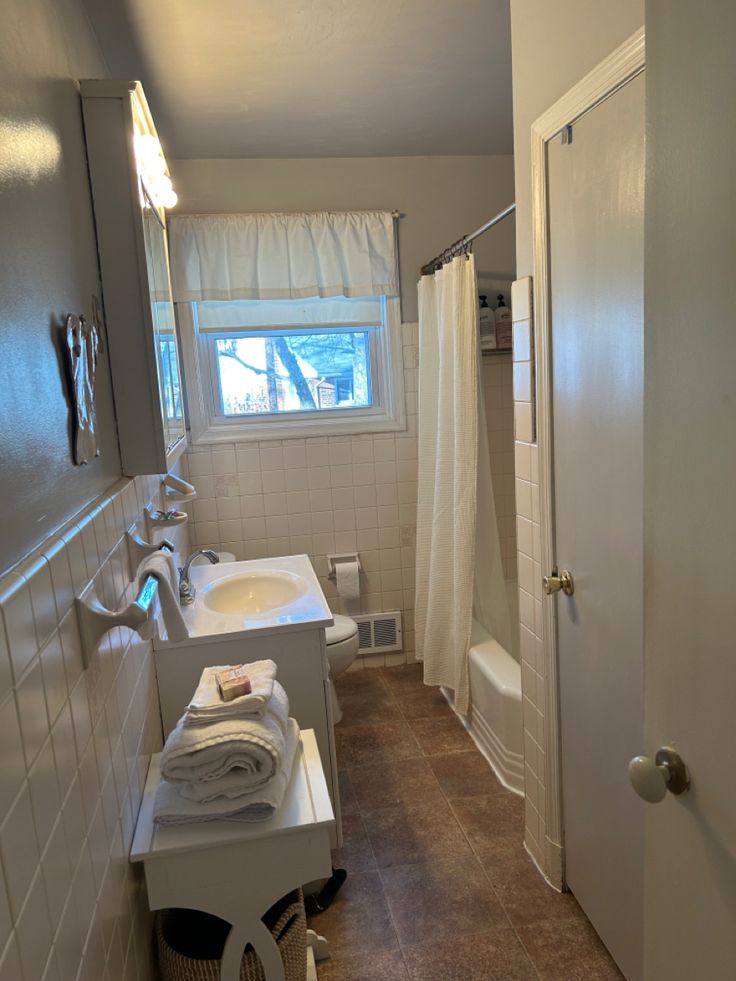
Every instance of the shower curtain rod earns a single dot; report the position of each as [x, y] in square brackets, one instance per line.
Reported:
[457, 248]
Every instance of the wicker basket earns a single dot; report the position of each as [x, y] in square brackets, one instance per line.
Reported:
[287, 923]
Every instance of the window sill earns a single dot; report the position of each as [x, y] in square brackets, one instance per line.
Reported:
[278, 429]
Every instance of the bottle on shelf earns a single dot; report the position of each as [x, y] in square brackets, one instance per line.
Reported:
[503, 325]
[487, 323]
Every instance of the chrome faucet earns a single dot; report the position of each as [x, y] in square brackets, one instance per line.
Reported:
[187, 591]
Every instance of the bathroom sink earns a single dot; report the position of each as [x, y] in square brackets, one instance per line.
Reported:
[253, 593]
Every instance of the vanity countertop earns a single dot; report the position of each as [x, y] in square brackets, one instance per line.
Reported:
[308, 610]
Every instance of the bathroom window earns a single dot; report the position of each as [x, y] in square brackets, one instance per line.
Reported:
[280, 368]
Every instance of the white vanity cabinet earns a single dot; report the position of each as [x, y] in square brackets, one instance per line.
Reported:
[294, 640]
[130, 220]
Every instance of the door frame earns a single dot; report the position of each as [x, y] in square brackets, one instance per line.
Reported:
[623, 64]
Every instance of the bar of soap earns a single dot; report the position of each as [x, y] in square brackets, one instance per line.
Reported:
[233, 683]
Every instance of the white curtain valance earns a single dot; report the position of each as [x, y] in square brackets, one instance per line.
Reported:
[222, 315]
[282, 256]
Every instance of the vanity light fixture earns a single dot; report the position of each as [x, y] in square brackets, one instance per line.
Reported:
[149, 155]
[153, 171]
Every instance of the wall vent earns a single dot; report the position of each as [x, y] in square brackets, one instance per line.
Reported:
[379, 632]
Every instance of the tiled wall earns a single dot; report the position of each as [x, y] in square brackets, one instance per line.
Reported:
[76, 745]
[344, 493]
[320, 495]
[497, 380]
[530, 573]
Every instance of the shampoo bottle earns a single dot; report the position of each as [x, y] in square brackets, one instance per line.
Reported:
[487, 323]
[503, 325]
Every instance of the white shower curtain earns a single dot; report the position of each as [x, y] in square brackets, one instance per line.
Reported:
[459, 567]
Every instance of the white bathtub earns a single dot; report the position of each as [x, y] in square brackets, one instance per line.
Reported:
[494, 721]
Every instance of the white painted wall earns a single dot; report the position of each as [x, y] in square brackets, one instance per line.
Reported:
[48, 269]
[442, 198]
[553, 46]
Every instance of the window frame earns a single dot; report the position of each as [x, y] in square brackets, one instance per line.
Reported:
[387, 414]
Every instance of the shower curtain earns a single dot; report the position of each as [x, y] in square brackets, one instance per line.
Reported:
[459, 570]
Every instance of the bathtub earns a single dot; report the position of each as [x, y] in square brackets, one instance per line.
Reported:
[494, 720]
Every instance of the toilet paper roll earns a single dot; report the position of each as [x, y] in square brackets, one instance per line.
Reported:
[348, 585]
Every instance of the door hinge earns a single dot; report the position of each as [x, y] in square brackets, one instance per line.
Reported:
[567, 135]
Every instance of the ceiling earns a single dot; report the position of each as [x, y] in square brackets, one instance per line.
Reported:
[316, 78]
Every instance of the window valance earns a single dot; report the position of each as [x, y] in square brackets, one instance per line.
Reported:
[282, 256]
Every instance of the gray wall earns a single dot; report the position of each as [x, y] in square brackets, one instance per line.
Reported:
[553, 46]
[48, 268]
[442, 198]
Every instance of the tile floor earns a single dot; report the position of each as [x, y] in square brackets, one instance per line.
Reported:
[439, 886]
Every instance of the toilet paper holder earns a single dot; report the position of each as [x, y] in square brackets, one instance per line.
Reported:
[336, 557]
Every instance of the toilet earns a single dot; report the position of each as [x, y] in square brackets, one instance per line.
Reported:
[342, 649]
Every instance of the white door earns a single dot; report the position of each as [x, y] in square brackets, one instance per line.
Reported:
[690, 487]
[596, 232]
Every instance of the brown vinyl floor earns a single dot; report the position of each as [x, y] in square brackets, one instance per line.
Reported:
[439, 886]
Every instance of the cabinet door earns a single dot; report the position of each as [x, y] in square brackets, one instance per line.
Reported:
[139, 314]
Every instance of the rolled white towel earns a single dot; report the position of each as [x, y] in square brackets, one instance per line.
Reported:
[169, 807]
[162, 566]
[207, 706]
[193, 754]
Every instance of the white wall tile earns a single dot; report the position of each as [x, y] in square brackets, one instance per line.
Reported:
[38, 576]
[272, 458]
[247, 458]
[19, 849]
[521, 340]
[387, 494]
[10, 969]
[251, 482]
[523, 421]
[44, 790]
[33, 930]
[223, 461]
[56, 555]
[31, 702]
[362, 452]
[20, 630]
[56, 872]
[13, 770]
[339, 453]
[6, 920]
[521, 298]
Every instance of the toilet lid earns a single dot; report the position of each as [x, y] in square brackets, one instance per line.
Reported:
[344, 629]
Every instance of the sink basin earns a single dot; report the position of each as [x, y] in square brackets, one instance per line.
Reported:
[253, 593]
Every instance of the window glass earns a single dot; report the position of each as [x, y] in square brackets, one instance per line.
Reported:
[306, 371]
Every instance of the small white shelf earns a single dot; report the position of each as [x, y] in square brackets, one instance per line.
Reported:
[237, 870]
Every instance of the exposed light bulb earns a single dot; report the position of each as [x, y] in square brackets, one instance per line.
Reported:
[169, 198]
[151, 166]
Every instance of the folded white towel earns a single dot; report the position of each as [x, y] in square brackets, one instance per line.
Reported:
[169, 807]
[207, 752]
[207, 705]
[162, 566]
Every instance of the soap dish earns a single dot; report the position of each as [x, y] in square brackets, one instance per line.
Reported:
[164, 519]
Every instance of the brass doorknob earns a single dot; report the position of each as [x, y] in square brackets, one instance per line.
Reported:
[556, 582]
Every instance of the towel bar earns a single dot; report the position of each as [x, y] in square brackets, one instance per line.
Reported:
[138, 550]
[95, 619]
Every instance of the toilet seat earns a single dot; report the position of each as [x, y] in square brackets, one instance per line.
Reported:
[342, 645]
[344, 629]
